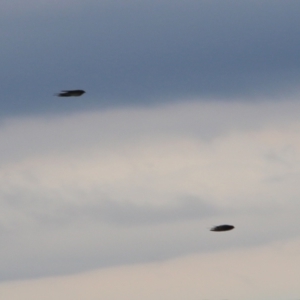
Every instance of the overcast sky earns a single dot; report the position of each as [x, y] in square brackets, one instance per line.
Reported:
[191, 119]
[145, 52]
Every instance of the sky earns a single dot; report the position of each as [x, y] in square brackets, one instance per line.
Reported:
[190, 120]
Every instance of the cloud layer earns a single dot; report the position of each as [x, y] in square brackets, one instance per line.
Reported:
[264, 273]
[140, 53]
[124, 186]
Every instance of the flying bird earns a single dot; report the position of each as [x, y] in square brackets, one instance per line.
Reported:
[222, 228]
[71, 93]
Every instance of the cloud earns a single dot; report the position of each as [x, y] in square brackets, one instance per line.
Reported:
[269, 272]
[124, 186]
[127, 54]
[36, 7]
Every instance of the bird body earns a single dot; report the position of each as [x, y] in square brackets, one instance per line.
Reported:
[222, 228]
[71, 93]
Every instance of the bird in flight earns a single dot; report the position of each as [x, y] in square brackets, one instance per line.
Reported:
[222, 228]
[71, 93]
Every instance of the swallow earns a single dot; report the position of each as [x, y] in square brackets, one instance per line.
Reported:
[71, 93]
[222, 228]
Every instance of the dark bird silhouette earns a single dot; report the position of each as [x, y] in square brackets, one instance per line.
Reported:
[222, 228]
[71, 93]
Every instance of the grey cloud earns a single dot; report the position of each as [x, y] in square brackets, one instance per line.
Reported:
[52, 209]
[138, 53]
[42, 234]
[130, 214]
[59, 238]
[86, 246]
